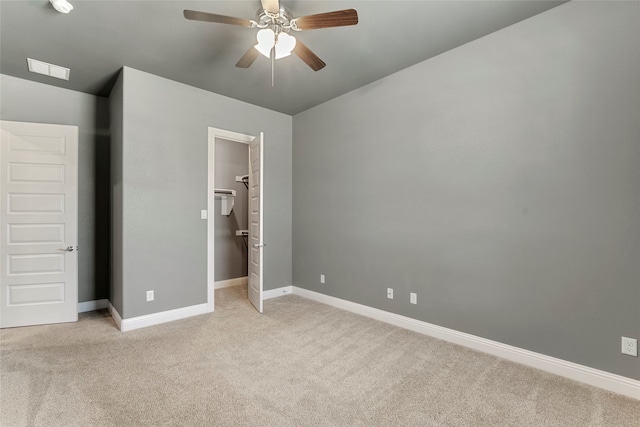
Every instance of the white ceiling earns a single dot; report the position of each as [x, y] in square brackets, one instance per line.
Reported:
[99, 37]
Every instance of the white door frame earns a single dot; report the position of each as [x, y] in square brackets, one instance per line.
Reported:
[229, 136]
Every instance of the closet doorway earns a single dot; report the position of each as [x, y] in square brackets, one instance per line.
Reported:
[247, 233]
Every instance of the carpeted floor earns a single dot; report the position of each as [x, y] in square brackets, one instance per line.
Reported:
[299, 364]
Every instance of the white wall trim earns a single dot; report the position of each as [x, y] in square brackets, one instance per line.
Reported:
[278, 292]
[212, 134]
[115, 315]
[602, 379]
[238, 281]
[98, 304]
[161, 317]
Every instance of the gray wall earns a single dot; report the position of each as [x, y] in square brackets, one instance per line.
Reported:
[232, 159]
[164, 247]
[499, 181]
[27, 101]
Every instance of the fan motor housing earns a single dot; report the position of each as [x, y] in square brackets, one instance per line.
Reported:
[282, 20]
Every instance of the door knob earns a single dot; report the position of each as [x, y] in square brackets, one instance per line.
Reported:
[259, 245]
[69, 249]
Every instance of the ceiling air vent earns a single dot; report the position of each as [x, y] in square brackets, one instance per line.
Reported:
[48, 69]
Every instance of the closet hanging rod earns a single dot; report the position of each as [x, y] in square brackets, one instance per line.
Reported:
[224, 191]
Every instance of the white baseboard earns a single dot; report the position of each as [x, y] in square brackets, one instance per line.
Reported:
[115, 316]
[602, 379]
[92, 305]
[238, 281]
[162, 317]
[278, 292]
[156, 318]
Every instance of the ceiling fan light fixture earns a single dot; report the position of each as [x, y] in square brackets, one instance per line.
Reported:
[267, 39]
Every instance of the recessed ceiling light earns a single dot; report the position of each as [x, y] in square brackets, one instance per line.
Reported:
[47, 69]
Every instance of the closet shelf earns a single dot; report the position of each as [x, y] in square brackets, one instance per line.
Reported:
[228, 198]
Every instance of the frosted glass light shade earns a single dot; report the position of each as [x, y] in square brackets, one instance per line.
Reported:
[266, 38]
[285, 45]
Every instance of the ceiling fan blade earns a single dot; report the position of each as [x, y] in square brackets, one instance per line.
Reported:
[310, 58]
[271, 6]
[339, 18]
[248, 58]
[212, 17]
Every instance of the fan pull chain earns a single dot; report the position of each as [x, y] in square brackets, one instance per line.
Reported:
[273, 66]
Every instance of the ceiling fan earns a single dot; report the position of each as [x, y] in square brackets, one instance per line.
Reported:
[275, 23]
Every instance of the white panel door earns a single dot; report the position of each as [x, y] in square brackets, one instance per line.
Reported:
[38, 228]
[256, 244]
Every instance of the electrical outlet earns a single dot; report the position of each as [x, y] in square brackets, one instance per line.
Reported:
[630, 346]
[413, 298]
[322, 278]
[150, 296]
[390, 293]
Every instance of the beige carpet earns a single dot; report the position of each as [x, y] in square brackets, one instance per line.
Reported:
[299, 364]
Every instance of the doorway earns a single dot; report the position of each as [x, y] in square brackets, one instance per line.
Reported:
[253, 182]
